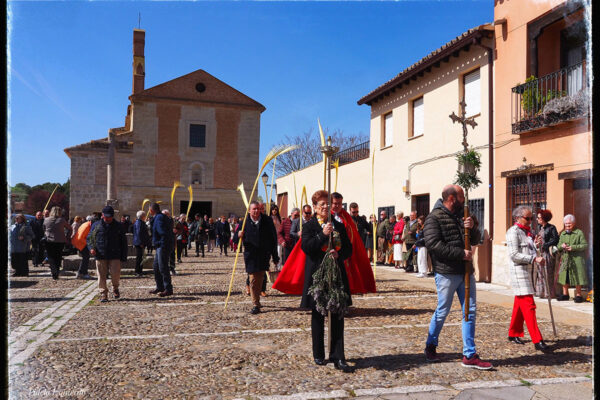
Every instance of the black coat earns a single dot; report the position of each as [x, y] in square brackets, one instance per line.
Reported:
[223, 229]
[444, 235]
[550, 235]
[108, 240]
[260, 244]
[313, 240]
[141, 237]
[37, 226]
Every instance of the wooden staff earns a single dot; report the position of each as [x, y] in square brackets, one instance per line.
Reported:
[49, 198]
[468, 264]
[544, 270]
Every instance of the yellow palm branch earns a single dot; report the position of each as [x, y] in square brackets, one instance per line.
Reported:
[336, 164]
[187, 214]
[243, 193]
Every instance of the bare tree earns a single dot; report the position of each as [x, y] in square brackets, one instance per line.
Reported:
[308, 152]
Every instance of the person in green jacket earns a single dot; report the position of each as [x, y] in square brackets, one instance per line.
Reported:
[572, 272]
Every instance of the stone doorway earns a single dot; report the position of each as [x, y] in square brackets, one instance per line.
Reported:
[198, 207]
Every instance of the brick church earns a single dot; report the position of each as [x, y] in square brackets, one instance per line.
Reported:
[194, 129]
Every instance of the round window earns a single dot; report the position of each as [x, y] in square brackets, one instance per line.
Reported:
[200, 87]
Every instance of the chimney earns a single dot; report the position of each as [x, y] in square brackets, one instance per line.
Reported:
[139, 65]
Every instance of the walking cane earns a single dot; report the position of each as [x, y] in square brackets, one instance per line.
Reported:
[545, 273]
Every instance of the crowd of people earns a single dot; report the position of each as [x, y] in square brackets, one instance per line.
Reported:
[545, 263]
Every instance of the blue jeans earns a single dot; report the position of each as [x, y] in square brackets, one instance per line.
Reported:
[447, 285]
[162, 275]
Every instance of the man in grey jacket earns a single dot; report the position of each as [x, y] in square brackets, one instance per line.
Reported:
[444, 240]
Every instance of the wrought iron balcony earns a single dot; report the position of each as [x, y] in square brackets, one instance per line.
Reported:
[351, 154]
[556, 97]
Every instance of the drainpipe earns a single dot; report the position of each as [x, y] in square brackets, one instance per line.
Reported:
[490, 52]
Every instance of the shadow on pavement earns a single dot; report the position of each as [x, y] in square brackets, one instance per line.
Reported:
[400, 362]
[21, 284]
[378, 312]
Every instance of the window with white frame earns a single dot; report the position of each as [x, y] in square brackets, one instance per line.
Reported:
[388, 130]
[472, 91]
[418, 127]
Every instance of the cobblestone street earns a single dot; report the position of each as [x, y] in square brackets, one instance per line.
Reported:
[64, 343]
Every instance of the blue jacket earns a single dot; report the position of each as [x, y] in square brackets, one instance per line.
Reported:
[108, 240]
[17, 245]
[141, 237]
[162, 232]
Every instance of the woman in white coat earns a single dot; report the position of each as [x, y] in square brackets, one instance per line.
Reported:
[522, 254]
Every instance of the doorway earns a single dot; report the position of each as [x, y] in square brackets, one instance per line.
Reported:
[198, 207]
[421, 204]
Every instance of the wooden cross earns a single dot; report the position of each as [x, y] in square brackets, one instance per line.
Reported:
[464, 122]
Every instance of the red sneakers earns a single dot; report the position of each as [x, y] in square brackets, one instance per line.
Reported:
[475, 362]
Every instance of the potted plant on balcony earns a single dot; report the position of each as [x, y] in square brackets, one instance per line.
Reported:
[469, 163]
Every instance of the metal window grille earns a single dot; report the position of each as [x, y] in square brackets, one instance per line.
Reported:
[389, 209]
[477, 209]
[518, 193]
[197, 135]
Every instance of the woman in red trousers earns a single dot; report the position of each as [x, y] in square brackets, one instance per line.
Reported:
[522, 255]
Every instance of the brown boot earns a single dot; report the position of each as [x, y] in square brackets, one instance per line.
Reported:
[248, 290]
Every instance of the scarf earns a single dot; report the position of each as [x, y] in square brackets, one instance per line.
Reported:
[527, 229]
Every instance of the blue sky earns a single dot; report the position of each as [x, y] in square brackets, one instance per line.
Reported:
[70, 63]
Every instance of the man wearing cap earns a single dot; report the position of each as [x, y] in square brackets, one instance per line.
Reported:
[107, 242]
[163, 241]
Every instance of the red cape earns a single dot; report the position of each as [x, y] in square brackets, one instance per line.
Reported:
[358, 267]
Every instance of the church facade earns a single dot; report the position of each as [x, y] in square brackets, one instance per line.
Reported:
[194, 129]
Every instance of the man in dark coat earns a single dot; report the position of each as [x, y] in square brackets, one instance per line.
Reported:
[37, 244]
[141, 240]
[315, 237]
[260, 244]
[223, 231]
[410, 238]
[108, 243]
[362, 226]
[444, 239]
[163, 241]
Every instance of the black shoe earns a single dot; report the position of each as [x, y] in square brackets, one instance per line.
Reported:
[116, 293]
[342, 366]
[541, 346]
[320, 361]
[166, 293]
[515, 339]
[578, 299]
[379, 263]
[255, 310]
[563, 297]
[431, 354]
[173, 271]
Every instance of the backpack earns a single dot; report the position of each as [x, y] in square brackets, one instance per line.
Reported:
[79, 239]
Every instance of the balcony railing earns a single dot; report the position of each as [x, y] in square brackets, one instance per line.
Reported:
[556, 97]
[351, 154]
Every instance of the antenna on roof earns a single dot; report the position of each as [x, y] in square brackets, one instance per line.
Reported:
[139, 20]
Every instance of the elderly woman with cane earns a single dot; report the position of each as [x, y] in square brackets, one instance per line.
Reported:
[522, 253]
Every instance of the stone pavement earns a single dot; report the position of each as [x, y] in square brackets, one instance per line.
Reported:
[64, 343]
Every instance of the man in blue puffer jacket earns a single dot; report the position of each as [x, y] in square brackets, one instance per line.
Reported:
[107, 242]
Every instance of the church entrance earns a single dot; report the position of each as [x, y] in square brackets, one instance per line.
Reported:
[198, 207]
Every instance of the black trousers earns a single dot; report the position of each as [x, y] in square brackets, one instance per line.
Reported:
[38, 250]
[317, 329]
[180, 250]
[224, 244]
[199, 246]
[18, 261]
[54, 250]
[85, 261]
[139, 255]
[285, 253]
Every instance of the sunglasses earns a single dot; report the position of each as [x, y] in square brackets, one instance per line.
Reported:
[526, 218]
[307, 212]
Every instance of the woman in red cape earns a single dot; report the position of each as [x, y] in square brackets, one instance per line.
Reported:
[358, 267]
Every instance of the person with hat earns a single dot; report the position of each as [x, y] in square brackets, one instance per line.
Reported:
[163, 241]
[107, 242]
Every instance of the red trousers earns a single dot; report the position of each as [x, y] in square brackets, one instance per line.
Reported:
[524, 310]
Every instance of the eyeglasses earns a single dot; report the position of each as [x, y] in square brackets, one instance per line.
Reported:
[526, 218]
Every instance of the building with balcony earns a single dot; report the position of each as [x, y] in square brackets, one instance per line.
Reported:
[415, 142]
[543, 137]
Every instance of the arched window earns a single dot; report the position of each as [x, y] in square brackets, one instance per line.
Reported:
[196, 172]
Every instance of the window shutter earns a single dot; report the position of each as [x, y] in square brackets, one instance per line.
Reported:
[418, 117]
[388, 131]
[472, 93]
